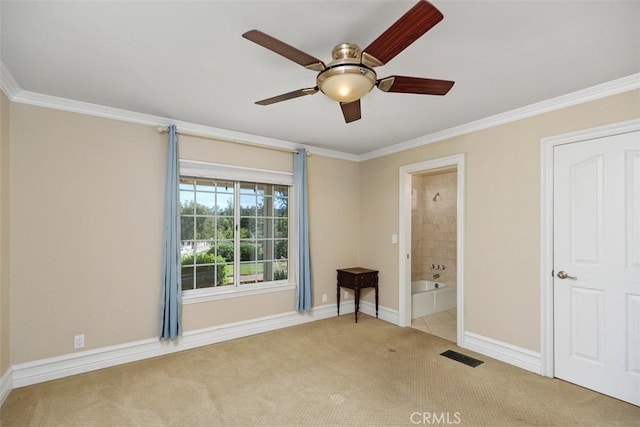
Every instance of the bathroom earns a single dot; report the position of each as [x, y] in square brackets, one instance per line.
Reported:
[433, 249]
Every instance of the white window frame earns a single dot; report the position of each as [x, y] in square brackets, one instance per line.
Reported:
[199, 169]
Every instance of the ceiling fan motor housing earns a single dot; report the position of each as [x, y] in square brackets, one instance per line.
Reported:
[346, 52]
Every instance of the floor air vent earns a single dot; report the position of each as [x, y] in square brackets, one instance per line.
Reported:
[462, 358]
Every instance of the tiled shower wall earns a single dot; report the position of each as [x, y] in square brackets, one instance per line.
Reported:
[433, 226]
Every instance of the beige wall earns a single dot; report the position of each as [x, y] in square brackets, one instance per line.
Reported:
[87, 196]
[433, 227]
[5, 342]
[333, 221]
[502, 254]
[86, 215]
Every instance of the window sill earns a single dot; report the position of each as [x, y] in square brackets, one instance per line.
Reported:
[213, 294]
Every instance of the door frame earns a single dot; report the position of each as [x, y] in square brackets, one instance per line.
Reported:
[404, 241]
[546, 216]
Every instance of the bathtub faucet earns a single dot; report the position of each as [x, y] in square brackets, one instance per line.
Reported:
[436, 276]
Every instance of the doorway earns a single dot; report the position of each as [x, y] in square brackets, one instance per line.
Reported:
[407, 172]
[433, 252]
[591, 259]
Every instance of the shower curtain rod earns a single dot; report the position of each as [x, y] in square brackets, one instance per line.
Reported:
[163, 129]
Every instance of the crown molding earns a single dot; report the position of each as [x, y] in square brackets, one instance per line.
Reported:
[15, 94]
[614, 87]
[54, 102]
[64, 104]
[10, 87]
[8, 84]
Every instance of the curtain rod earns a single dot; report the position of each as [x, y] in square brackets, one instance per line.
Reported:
[162, 129]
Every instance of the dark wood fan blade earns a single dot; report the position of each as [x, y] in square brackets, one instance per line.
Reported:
[281, 48]
[417, 85]
[288, 95]
[409, 28]
[351, 111]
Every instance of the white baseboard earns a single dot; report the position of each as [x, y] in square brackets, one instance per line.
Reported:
[508, 353]
[5, 385]
[38, 371]
[384, 313]
[76, 363]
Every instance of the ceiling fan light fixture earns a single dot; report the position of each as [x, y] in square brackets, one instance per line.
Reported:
[346, 82]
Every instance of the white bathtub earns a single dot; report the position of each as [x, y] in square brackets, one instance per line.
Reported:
[429, 297]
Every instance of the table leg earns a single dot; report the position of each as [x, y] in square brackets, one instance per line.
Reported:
[338, 298]
[357, 302]
[376, 301]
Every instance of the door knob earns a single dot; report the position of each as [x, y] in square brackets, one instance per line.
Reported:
[564, 275]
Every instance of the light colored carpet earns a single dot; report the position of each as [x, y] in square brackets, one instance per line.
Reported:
[326, 373]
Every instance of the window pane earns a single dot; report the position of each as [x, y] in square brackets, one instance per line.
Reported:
[247, 205]
[224, 187]
[248, 250]
[206, 203]
[228, 279]
[281, 227]
[225, 250]
[247, 188]
[187, 253]
[261, 230]
[205, 228]
[260, 272]
[247, 228]
[186, 228]
[203, 257]
[224, 228]
[261, 189]
[205, 276]
[280, 191]
[246, 273]
[251, 272]
[186, 203]
[280, 270]
[260, 205]
[281, 249]
[186, 184]
[225, 204]
[265, 249]
[187, 278]
[205, 185]
[280, 210]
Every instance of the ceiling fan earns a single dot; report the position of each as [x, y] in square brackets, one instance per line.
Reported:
[350, 75]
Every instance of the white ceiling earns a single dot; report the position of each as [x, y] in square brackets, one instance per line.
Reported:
[187, 61]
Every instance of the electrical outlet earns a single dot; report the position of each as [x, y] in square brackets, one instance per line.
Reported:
[324, 297]
[78, 341]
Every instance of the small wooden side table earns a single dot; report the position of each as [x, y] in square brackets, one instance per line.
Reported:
[357, 278]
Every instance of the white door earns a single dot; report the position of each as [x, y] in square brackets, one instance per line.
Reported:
[596, 231]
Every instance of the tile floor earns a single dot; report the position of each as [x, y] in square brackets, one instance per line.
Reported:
[441, 324]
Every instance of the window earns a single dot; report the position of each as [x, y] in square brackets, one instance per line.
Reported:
[233, 233]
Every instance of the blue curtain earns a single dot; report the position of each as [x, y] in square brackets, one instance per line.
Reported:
[303, 259]
[170, 306]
